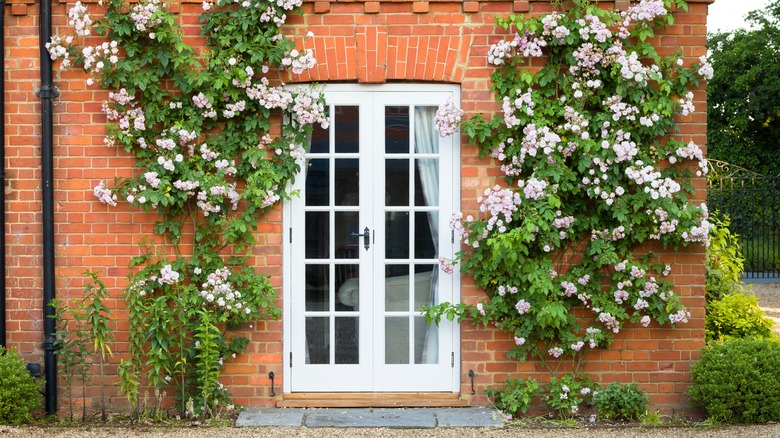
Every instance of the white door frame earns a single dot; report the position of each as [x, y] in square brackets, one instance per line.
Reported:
[289, 222]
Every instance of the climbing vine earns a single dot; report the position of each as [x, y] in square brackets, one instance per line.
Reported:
[595, 172]
[212, 155]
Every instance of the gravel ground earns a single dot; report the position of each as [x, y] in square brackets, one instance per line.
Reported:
[769, 300]
[661, 432]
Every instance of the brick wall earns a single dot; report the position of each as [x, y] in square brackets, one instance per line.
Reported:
[355, 41]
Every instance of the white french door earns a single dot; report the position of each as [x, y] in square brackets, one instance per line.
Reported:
[363, 242]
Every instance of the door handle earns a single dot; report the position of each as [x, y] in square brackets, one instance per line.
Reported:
[366, 234]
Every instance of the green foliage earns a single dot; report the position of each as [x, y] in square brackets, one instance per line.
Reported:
[731, 313]
[743, 123]
[651, 418]
[571, 188]
[515, 396]
[72, 347]
[205, 128]
[97, 318]
[129, 384]
[738, 381]
[736, 316]
[207, 337]
[621, 402]
[19, 392]
[178, 342]
[725, 263]
[568, 393]
[80, 324]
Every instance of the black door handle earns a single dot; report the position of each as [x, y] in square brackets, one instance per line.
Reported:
[366, 234]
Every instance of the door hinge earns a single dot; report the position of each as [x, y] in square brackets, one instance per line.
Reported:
[452, 360]
[452, 236]
[291, 359]
[290, 234]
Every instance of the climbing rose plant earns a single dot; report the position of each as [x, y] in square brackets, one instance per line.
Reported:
[594, 170]
[212, 157]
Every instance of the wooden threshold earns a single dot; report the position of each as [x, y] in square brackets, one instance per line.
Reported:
[370, 399]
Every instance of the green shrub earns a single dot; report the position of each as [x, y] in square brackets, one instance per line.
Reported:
[736, 316]
[738, 381]
[515, 396]
[567, 393]
[621, 402]
[725, 262]
[19, 392]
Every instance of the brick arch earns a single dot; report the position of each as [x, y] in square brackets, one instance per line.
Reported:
[373, 56]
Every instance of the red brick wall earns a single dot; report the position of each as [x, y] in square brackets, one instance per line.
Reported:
[355, 41]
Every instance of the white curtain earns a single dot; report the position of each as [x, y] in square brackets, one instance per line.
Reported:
[426, 141]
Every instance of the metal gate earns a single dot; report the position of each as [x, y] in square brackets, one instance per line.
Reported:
[752, 202]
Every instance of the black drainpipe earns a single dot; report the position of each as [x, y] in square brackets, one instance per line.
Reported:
[47, 94]
[2, 178]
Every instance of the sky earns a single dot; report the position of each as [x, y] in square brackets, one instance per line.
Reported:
[726, 15]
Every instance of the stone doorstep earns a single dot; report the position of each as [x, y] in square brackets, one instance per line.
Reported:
[371, 417]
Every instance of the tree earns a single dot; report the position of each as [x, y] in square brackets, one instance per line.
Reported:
[744, 93]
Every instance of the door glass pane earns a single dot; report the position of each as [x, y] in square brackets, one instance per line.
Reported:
[348, 288]
[396, 340]
[318, 340]
[426, 139]
[397, 182]
[397, 288]
[317, 288]
[347, 340]
[396, 270]
[426, 341]
[347, 129]
[347, 181]
[347, 245]
[425, 234]
[317, 185]
[320, 139]
[397, 130]
[425, 294]
[317, 233]
[426, 182]
[425, 285]
[397, 235]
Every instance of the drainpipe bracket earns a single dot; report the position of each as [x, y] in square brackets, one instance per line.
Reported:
[49, 344]
[48, 92]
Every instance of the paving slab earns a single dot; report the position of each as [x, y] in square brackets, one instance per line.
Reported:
[371, 417]
[468, 417]
[270, 417]
[401, 418]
